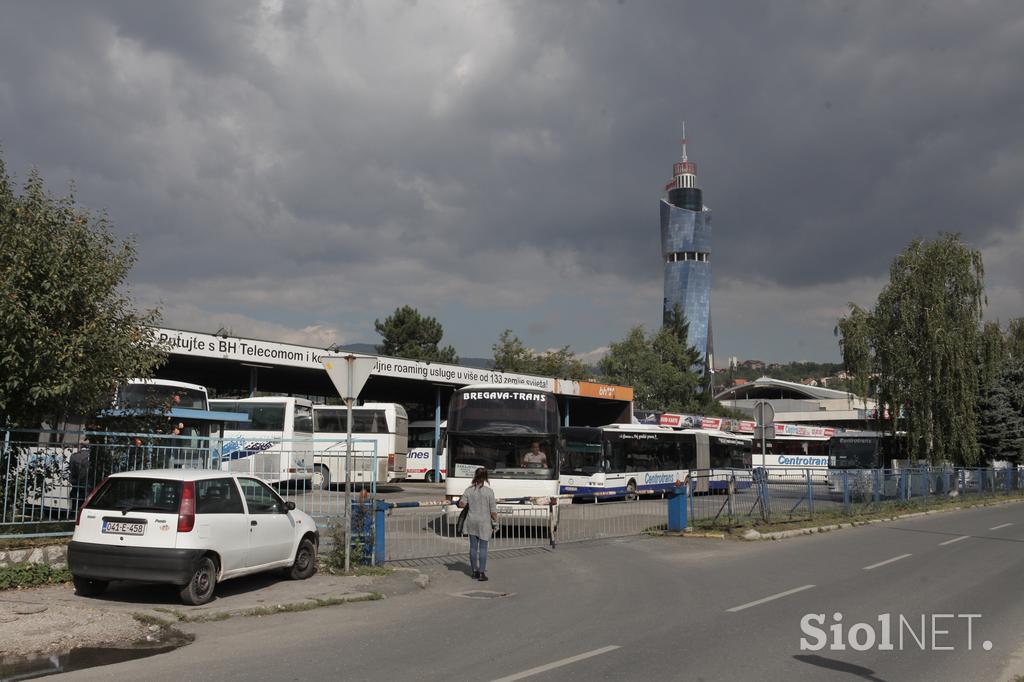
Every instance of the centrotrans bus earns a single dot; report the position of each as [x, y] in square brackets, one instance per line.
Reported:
[380, 431]
[790, 455]
[422, 446]
[626, 460]
[854, 454]
[512, 432]
[276, 444]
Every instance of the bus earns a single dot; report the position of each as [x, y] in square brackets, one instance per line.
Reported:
[853, 454]
[275, 444]
[148, 424]
[422, 446]
[793, 456]
[380, 431]
[627, 460]
[512, 432]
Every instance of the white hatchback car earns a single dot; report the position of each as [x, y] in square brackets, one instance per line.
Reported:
[187, 527]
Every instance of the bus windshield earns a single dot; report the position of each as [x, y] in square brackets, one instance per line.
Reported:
[503, 411]
[363, 421]
[150, 396]
[262, 416]
[581, 452]
[520, 457]
[853, 452]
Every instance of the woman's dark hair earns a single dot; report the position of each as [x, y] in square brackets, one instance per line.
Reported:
[480, 477]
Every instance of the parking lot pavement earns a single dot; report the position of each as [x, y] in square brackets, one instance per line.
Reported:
[54, 619]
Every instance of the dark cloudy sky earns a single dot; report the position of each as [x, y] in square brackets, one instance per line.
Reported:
[293, 170]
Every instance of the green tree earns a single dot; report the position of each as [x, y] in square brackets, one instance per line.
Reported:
[69, 334]
[1015, 338]
[408, 334]
[1001, 413]
[510, 355]
[659, 368]
[922, 341]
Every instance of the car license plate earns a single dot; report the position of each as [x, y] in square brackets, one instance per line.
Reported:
[124, 527]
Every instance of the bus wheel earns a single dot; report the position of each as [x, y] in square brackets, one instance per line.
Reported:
[321, 477]
[430, 476]
[631, 490]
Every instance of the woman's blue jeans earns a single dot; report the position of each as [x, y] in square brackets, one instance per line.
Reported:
[477, 554]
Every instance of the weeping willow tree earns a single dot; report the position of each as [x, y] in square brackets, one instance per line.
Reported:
[920, 347]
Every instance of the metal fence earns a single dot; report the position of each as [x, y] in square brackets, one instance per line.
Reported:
[45, 476]
[793, 494]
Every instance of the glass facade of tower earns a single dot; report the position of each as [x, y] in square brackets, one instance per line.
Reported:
[686, 254]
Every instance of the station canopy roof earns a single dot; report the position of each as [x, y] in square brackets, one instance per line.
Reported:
[231, 363]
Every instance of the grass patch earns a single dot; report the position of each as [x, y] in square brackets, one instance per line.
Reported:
[32, 575]
[859, 513]
[150, 619]
[173, 613]
[334, 569]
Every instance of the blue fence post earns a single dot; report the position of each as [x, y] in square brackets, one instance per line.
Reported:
[876, 484]
[677, 509]
[846, 491]
[981, 481]
[379, 523]
[810, 493]
[901, 486]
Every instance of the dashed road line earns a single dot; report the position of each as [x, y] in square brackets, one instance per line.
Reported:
[1002, 525]
[950, 542]
[773, 597]
[887, 561]
[557, 664]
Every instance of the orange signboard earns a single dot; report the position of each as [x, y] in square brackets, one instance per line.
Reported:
[608, 391]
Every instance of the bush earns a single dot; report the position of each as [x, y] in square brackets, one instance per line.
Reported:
[32, 575]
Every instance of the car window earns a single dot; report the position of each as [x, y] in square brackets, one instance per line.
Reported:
[138, 494]
[218, 496]
[259, 497]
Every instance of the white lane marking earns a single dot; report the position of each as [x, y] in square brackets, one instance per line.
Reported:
[558, 664]
[950, 542]
[887, 561]
[780, 595]
[1003, 525]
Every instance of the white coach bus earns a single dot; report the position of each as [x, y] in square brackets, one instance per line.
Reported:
[512, 432]
[380, 431]
[422, 445]
[276, 444]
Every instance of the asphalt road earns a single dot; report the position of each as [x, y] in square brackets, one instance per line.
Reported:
[659, 608]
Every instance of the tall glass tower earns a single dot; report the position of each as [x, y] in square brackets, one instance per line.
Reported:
[686, 253]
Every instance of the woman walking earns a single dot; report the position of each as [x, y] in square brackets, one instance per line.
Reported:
[483, 513]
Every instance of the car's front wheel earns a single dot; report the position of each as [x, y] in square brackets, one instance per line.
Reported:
[305, 561]
[204, 581]
[87, 587]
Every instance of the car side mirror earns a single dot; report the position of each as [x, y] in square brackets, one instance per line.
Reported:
[289, 505]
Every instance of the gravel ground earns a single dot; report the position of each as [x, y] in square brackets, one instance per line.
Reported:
[31, 624]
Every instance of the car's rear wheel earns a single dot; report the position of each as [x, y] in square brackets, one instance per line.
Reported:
[305, 561]
[202, 585]
[87, 587]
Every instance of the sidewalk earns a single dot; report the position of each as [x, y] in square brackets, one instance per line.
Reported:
[51, 620]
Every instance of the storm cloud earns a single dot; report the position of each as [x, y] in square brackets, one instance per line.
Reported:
[295, 170]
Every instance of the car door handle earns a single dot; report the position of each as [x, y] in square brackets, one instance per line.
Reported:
[254, 522]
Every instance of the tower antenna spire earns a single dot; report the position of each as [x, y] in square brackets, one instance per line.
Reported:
[684, 139]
